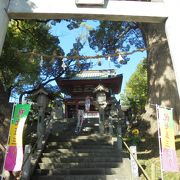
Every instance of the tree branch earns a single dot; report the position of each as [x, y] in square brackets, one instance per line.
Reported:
[23, 30]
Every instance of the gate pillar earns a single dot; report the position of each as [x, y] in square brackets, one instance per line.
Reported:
[3, 21]
[172, 33]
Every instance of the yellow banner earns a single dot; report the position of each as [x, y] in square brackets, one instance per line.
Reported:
[16, 131]
[166, 129]
[167, 138]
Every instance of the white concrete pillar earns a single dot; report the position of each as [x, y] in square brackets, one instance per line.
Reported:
[3, 21]
[26, 170]
[134, 166]
[172, 32]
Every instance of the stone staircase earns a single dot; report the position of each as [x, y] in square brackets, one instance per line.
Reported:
[81, 157]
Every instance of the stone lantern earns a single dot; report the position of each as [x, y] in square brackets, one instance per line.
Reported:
[125, 110]
[42, 101]
[100, 92]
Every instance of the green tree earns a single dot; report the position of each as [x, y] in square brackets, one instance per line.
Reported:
[136, 90]
[112, 38]
[32, 56]
[19, 67]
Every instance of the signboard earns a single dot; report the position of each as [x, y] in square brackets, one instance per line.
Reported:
[14, 156]
[91, 114]
[168, 151]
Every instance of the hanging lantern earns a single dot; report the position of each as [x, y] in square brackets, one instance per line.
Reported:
[120, 59]
[99, 61]
[42, 58]
[63, 64]
[41, 61]
[109, 58]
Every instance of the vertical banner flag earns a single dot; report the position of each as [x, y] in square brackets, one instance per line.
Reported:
[14, 156]
[87, 103]
[168, 151]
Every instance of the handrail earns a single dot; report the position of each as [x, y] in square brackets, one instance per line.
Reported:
[33, 148]
[143, 171]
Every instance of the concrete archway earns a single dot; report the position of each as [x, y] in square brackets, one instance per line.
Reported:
[163, 12]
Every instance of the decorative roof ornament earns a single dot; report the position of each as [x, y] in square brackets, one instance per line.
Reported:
[100, 87]
[40, 90]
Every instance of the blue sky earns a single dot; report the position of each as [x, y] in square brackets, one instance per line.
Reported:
[67, 38]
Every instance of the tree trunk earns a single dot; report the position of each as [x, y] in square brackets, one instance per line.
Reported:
[161, 78]
[5, 115]
[4, 101]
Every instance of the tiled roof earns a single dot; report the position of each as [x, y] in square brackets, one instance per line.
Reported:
[94, 74]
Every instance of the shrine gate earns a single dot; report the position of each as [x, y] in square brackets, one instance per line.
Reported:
[156, 11]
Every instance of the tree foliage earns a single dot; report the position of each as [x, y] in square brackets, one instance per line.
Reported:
[123, 37]
[112, 37]
[136, 90]
[32, 56]
[19, 64]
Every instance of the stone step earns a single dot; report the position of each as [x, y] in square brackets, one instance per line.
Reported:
[77, 142]
[91, 126]
[84, 157]
[75, 154]
[80, 171]
[86, 150]
[81, 165]
[77, 146]
[80, 159]
[80, 142]
[94, 137]
[89, 122]
[82, 177]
